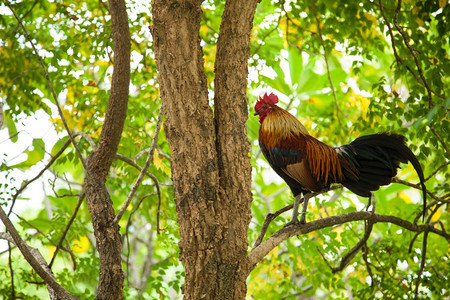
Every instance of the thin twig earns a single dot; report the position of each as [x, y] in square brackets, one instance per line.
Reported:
[17, 77]
[32, 260]
[422, 76]
[140, 153]
[26, 14]
[413, 52]
[397, 57]
[128, 226]
[47, 77]
[430, 216]
[324, 258]
[164, 154]
[63, 236]
[53, 183]
[437, 170]
[443, 143]
[11, 271]
[422, 264]
[144, 168]
[267, 199]
[26, 183]
[394, 48]
[133, 163]
[37, 255]
[338, 111]
[267, 35]
[366, 261]
[352, 252]
[416, 186]
[88, 139]
[269, 218]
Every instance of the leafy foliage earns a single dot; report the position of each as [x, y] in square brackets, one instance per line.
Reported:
[373, 92]
[336, 66]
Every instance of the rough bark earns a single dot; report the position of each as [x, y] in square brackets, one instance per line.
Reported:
[210, 164]
[107, 236]
[231, 113]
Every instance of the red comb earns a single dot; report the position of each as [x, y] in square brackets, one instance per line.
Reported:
[272, 98]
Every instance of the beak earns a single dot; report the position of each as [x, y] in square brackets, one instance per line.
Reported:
[256, 113]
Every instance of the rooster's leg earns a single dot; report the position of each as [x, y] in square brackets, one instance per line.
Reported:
[294, 218]
[305, 206]
[295, 209]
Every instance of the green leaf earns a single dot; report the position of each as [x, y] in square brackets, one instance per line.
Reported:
[9, 123]
[33, 156]
[431, 114]
[295, 64]
[58, 145]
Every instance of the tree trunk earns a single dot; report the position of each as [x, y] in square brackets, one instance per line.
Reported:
[211, 168]
[109, 244]
[233, 148]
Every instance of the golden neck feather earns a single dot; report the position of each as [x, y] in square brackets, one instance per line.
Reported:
[282, 123]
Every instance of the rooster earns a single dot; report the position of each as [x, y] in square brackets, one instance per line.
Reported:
[307, 165]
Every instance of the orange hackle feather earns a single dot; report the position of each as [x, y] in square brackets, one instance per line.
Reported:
[308, 165]
[282, 130]
[323, 161]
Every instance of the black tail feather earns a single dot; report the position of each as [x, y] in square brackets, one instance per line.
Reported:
[376, 158]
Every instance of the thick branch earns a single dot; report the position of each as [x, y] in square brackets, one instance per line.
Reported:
[270, 217]
[38, 256]
[116, 112]
[262, 250]
[35, 264]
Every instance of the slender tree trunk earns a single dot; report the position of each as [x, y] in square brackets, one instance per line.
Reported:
[109, 244]
[233, 148]
[210, 163]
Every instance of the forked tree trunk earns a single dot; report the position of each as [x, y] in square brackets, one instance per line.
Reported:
[211, 168]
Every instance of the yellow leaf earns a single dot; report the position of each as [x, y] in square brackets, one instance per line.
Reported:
[157, 161]
[81, 245]
[400, 103]
[419, 21]
[314, 101]
[442, 3]
[338, 231]
[371, 17]
[123, 222]
[437, 215]
[51, 251]
[405, 197]
[102, 63]
[204, 29]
